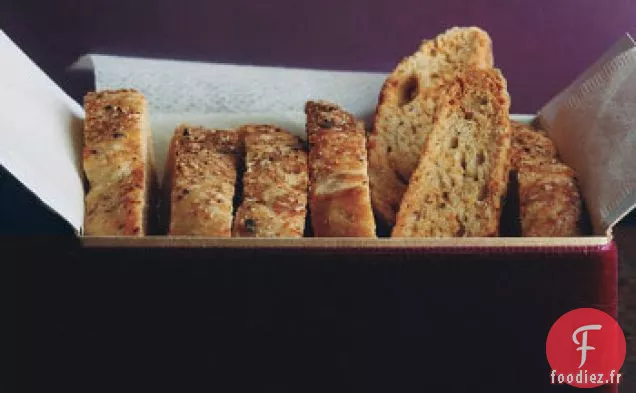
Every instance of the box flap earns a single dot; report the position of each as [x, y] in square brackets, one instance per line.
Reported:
[593, 124]
[41, 134]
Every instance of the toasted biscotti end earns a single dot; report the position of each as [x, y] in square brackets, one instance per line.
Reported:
[409, 96]
[549, 200]
[202, 168]
[274, 184]
[408, 102]
[437, 61]
[454, 49]
[323, 115]
[458, 185]
[339, 199]
[530, 146]
[118, 163]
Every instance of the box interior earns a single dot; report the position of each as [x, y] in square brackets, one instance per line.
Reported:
[43, 151]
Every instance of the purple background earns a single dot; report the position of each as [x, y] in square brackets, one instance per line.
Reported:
[540, 45]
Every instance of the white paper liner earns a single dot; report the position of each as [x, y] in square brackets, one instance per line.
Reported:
[182, 87]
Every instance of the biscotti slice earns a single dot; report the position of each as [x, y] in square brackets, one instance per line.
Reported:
[406, 107]
[201, 172]
[530, 147]
[549, 201]
[118, 163]
[274, 184]
[458, 185]
[339, 200]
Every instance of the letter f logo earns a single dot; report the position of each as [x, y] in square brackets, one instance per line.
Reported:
[570, 341]
[584, 347]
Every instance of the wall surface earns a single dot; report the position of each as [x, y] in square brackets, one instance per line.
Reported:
[540, 45]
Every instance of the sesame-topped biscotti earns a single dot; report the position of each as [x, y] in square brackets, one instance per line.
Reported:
[339, 199]
[200, 177]
[274, 184]
[458, 185]
[118, 163]
[549, 199]
[407, 105]
[530, 147]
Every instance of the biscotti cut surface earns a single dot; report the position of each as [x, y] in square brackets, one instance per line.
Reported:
[274, 184]
[458, 185]
[201, 173]
[117, 161]
[406, 108]
[549, 199]
[339, 200]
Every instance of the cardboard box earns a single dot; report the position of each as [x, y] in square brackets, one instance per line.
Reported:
[402, 305]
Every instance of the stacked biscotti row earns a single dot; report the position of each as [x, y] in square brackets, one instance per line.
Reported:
[255, 181]
[436, 163]
[442, 148]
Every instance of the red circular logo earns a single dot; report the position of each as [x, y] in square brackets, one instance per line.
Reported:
[586, 349]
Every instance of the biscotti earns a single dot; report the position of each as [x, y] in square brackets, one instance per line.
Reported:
[200, 177]
[274, 201]
[530, 147]
[549, 199]
[339, 199]
[407, 104]
[461, 178]
[118, 163]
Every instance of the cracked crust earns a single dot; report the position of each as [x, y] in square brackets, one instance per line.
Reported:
[458, 185]
[339, 199]
[274, 184]
[406, 107]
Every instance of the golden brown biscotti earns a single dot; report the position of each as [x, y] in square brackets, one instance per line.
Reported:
[530, 147]
[274, 184]
[406, 107]
[458, 185]
[339, 200]
[118, 163]
[200, 177]
[549, 201]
